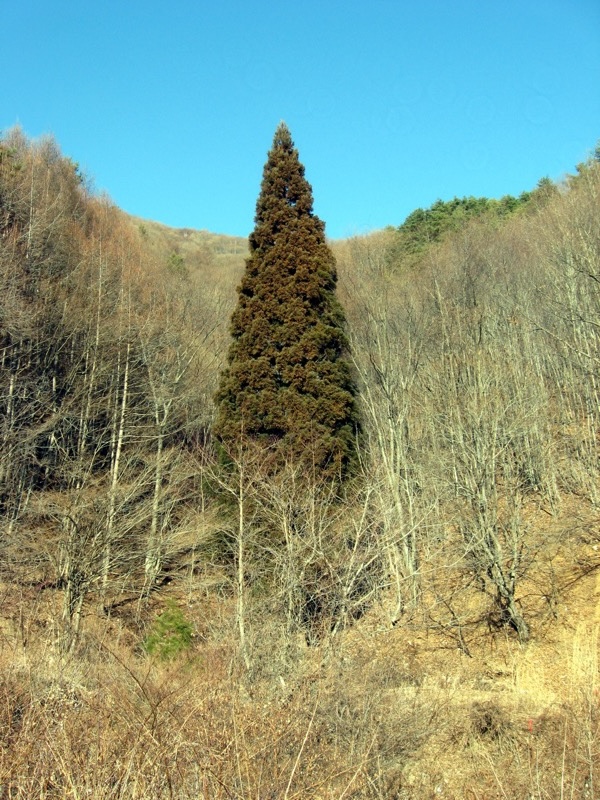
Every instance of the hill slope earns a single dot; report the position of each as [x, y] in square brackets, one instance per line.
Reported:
[173, 626]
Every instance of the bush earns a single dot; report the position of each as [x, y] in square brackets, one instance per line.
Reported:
[171, 634]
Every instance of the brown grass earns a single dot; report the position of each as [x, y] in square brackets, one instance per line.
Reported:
[375, 712]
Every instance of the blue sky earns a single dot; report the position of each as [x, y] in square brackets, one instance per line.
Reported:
[171, 107]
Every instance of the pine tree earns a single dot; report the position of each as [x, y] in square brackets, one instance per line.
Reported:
[288, 383]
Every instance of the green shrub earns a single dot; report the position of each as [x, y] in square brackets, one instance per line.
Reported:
[171, 634]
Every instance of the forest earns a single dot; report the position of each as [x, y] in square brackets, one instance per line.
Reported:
[179, 625]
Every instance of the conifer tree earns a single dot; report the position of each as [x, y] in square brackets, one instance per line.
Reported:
[288, 383]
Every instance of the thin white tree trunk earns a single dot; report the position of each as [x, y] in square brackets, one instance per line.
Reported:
[114, 472]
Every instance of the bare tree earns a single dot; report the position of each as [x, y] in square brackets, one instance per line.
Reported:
[389, 342]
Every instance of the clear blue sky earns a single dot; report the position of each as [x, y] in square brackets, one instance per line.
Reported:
[170, 107]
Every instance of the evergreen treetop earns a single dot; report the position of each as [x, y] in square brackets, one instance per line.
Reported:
[288, 382]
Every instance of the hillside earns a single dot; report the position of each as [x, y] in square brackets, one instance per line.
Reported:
[179, 626]
[194, 247]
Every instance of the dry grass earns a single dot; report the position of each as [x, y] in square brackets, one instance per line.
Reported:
[376, 712]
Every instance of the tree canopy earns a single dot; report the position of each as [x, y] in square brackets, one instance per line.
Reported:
[288, 382]
[424, 226]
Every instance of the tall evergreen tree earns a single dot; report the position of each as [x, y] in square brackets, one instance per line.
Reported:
[288, 382]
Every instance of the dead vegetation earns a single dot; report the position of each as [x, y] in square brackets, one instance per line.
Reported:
[174, 627]
[423, 709]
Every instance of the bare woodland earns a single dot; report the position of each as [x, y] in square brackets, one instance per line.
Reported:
[467, 530]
